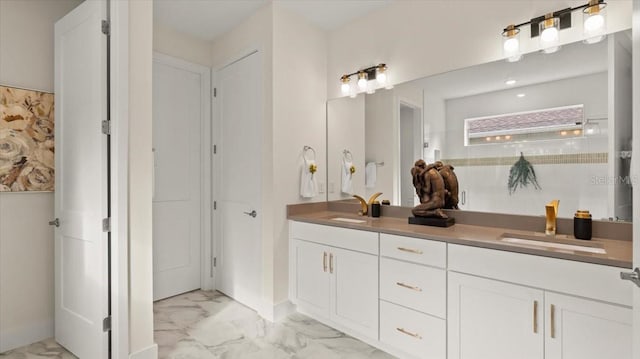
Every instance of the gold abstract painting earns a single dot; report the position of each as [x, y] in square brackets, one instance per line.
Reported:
[26, 140]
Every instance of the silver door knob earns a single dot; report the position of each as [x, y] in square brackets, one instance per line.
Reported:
[55, 222]
[632, 276]
[252, 213]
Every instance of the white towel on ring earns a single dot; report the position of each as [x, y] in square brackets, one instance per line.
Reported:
[308, 185]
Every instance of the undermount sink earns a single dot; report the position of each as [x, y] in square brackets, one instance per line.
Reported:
[560, 243]
[348, 220]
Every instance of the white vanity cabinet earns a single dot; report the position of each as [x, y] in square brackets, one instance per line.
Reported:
[518, 313]
[493, 319]
[586, 329]
[334, 276]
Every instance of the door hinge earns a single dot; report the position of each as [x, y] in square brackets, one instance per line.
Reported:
[215, 205]
[106, 224]
[215, 92]
[106, 27]
[106, 127]
[215, 149]
[215, 261]
[106, 324]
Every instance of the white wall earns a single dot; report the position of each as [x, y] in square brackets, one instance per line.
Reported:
[26, 239]
[421, 38]
[171, 42]
[299, 119]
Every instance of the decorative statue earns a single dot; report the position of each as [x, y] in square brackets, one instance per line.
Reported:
[430, 189]
[450, 184]
[437, 187]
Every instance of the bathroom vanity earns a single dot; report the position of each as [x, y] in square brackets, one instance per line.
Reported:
[459, 292]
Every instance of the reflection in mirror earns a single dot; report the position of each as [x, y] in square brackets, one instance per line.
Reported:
[567, 113]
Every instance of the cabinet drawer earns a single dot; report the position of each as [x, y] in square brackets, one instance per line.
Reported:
[416, 250]
[414, 333]
[414, 286]
[361, 241]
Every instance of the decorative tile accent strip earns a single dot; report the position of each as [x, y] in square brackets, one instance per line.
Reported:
[576, 158]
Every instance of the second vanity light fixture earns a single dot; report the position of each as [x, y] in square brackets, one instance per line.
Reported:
[365, 80]
[547, 28]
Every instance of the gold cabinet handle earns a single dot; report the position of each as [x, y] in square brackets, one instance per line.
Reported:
[404, 331]
[417, 289]
[331, 263]
[535, 316]
[410, 250]
[552, 312]
[324, 262]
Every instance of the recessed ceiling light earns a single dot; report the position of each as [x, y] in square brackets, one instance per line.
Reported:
[521, 95]
[510, 82]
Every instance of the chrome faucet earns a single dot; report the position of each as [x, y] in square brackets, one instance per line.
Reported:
[551, 210]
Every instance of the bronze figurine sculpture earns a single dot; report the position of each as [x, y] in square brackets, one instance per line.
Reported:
[437, 187]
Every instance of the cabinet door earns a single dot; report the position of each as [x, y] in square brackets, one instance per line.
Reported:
[354, 284]
[492, 319]
[312, 277]
[585, 329]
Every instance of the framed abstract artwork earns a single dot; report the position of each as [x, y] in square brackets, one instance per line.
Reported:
[26, 140]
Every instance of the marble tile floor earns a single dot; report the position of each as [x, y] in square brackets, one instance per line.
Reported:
[210, 325]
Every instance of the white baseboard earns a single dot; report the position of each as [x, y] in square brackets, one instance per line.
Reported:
[13, 338]
[150, 352]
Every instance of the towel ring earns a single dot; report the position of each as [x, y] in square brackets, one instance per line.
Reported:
[347, 155]
[306, 149]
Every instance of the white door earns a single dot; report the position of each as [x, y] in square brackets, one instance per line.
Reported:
[180, 110]
[238, 163]
[492, 319]
[586, 329]
[410, 118]
[81, 201]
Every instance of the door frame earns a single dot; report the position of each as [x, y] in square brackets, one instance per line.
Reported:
[206, 149]
[397, 148]
[635, 28]
[119, 77]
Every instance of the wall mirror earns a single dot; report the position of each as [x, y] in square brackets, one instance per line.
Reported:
[568, 114]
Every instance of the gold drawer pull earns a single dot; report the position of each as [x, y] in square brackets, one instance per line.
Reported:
[404, 331]
[417, 289]
[416, 251]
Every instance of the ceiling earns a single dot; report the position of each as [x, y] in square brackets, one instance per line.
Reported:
[208, 19]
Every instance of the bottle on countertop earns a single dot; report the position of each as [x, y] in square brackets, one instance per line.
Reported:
[375, 209]
[582, 225]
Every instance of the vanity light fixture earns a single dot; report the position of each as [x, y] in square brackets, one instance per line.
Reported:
[548, 26]
[367, 80]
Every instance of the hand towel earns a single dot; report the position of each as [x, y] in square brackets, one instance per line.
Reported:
[370, 174]
[308, 185]
[347, 176]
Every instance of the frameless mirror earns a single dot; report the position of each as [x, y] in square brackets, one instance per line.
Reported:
[550, 126]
